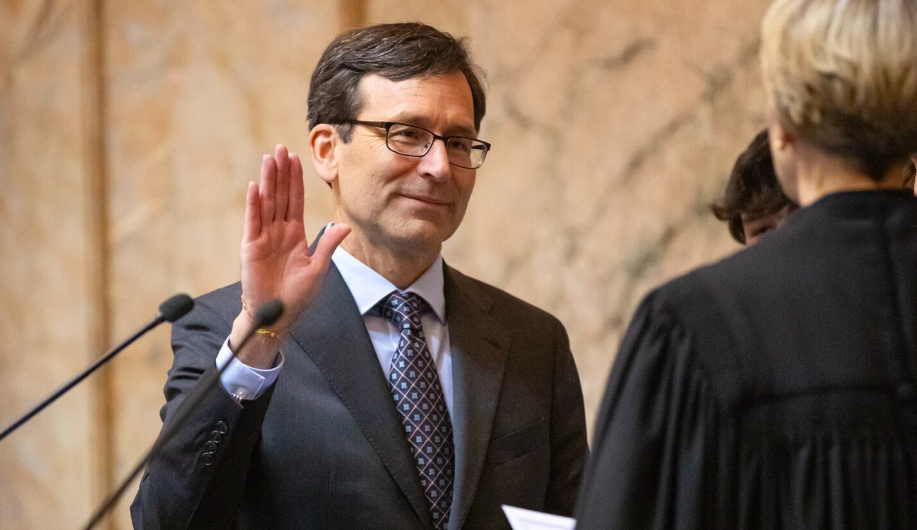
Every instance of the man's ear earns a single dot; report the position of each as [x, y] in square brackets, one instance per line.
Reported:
[323, 139]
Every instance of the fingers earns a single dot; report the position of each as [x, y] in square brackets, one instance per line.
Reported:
[251, 227]
[328, 242]
[267, 189]
[295, 210]
[282, 190]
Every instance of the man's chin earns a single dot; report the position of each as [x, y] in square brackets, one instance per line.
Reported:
[421, 234]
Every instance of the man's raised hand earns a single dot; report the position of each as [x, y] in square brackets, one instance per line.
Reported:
[275, 260]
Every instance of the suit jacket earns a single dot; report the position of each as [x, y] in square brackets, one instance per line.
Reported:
[324, 448]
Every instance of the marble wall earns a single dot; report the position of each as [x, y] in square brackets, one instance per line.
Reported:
[50, 318]
[129, 130]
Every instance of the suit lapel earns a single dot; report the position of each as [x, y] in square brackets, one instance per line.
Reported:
[479, 347]
[332, 333]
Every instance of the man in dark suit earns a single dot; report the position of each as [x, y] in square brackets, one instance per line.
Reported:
[395, 392]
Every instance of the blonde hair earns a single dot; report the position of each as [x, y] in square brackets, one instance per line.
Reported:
[842, 75]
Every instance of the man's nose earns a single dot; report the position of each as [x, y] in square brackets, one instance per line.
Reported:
[435, 163]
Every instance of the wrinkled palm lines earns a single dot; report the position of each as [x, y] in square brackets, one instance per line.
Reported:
[419, 398]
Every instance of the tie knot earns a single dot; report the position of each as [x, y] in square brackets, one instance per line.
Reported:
[403, 308]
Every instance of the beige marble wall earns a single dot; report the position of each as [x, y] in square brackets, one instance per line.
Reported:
[46, 468]
[614, 126]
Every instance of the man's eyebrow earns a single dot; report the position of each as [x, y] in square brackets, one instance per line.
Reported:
[422, 121]
[462, 130]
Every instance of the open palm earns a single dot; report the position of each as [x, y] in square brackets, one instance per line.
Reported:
[275, 253]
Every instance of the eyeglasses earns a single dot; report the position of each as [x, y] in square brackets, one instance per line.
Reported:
[411, 140]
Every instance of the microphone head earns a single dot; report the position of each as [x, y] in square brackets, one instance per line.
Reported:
[176, 307]
[268, 313]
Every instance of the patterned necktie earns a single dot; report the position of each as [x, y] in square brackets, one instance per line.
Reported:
[419, 398]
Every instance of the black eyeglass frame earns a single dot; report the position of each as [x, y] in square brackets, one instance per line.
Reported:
[387, 125]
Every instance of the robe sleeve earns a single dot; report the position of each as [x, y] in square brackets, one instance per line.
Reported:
[655, 429]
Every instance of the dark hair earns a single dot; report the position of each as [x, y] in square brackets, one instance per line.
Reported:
[394, 51]
[752, 189]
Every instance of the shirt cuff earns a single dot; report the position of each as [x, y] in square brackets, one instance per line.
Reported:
[245, 382]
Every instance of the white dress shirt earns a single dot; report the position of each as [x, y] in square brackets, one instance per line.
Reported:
[367, 287]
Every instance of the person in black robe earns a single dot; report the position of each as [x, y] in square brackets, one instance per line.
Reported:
[777, 389]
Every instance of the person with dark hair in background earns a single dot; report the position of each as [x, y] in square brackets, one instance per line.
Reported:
[777, 389]
[754, 203]
[395, 392]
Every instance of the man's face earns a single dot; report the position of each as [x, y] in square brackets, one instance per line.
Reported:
[756, 226]
[396, 201]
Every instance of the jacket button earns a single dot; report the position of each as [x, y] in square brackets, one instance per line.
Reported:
[906, 392]
[216, 436]
[210, 447]
[207, 459]
[222, 427]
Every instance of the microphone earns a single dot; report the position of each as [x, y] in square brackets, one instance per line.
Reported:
[170, 310]
[175, 307]
[265, 316]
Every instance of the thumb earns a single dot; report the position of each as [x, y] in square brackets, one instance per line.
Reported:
[331, 238]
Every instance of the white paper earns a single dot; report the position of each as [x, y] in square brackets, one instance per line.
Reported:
[522, 519]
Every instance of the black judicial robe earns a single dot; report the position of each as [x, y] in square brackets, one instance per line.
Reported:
[776, 389]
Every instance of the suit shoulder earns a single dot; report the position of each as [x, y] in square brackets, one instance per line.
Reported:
[505, 304]
[225, 302]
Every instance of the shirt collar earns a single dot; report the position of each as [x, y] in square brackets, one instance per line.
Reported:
[368, 287]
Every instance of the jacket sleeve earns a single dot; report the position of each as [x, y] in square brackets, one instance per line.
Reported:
[569, 448]
[197, 478]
